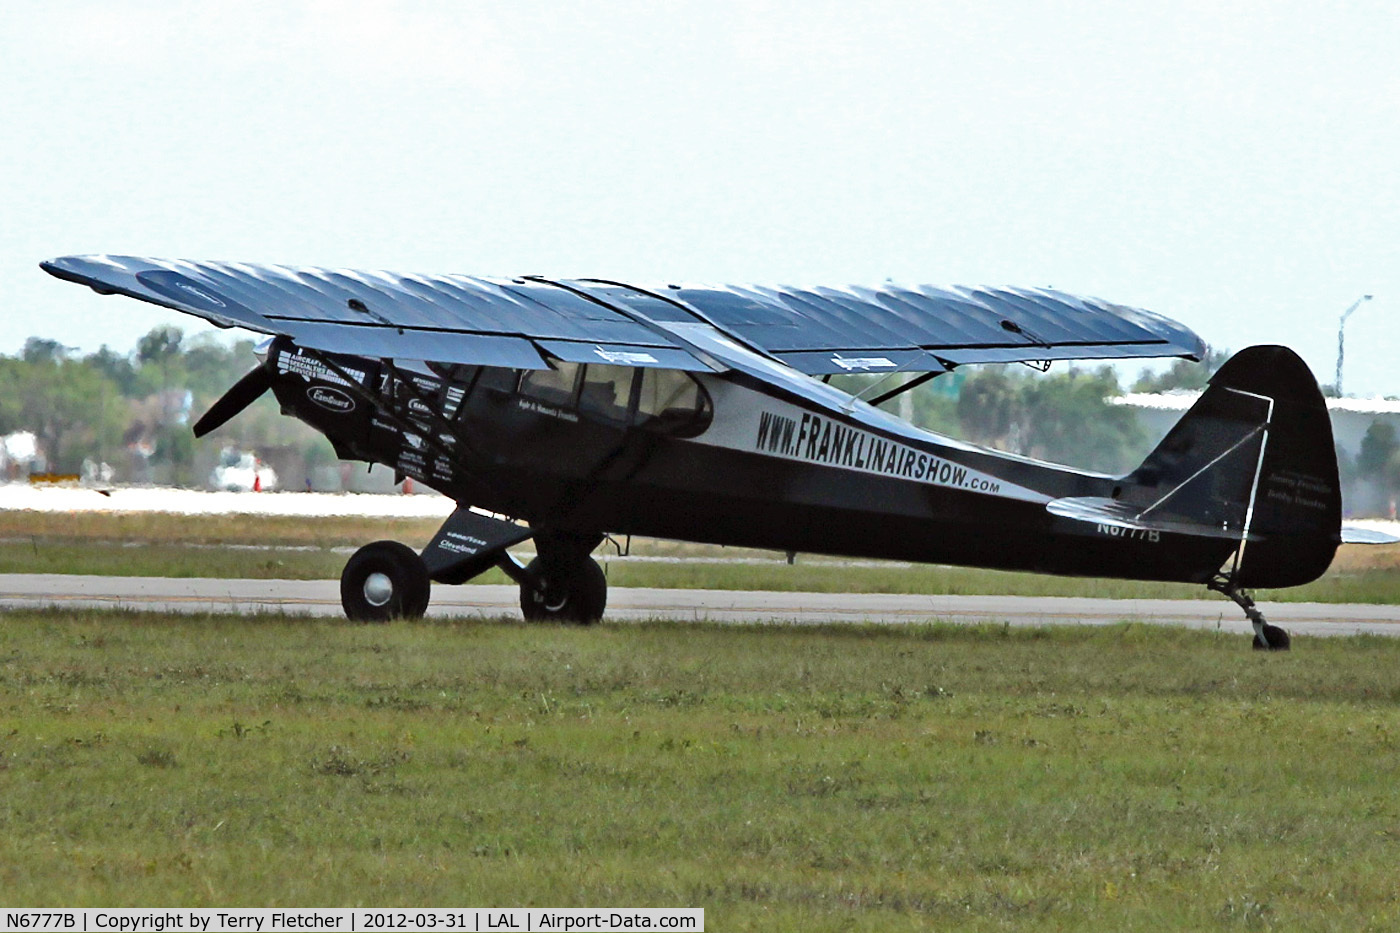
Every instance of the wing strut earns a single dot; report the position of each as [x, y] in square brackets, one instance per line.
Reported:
[924, 377]
[900, 390]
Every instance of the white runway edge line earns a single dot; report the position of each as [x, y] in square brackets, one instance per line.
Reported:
[23, 497]
[347, 920]
[322, 598]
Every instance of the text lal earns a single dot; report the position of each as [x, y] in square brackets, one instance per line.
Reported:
[611, 921]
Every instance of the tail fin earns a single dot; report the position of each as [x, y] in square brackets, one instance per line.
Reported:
[1253, 456]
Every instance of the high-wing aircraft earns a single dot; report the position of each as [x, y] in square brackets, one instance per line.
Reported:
[566, 409]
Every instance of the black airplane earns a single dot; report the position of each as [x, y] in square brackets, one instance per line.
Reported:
[564, 410]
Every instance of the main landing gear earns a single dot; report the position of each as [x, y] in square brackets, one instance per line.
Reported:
[1266, 637]
[564, 584]
[387, 580]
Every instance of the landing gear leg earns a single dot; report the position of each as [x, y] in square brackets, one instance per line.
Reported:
[1266, 637]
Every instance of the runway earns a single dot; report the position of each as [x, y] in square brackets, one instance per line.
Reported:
[322, 598]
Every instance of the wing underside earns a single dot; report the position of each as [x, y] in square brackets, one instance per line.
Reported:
[525, 322]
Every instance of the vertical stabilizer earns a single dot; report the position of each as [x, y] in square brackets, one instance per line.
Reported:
[1253, 456]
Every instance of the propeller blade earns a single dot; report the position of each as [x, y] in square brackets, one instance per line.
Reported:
[245, 392]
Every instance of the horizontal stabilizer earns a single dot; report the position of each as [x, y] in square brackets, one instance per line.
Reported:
[1355, 534]
[1117, 514]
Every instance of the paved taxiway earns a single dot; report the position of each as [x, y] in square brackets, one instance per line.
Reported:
[322, 598]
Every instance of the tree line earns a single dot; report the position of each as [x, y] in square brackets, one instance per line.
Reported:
[134, 410]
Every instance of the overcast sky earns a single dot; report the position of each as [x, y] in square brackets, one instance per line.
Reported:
[1233, 166]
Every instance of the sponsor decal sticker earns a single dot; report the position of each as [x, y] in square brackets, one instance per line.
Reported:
[862, 362]
[462, 544]
[624, 357]
[816, 439]
[331, 399]
[313, 370]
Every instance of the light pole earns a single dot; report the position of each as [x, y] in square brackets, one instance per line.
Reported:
[1341, 331]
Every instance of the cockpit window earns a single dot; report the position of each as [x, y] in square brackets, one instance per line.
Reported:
[555, 386]
[497, 379]
[672, 402]
[664, 400]
[607, 391]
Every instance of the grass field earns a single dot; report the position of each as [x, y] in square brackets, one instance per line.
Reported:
[782, 778]
[276, 547]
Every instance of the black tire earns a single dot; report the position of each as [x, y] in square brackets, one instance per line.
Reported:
[382, 581]
[1276, 640]
[578, 600]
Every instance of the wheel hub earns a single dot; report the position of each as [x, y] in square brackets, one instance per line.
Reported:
[379, 589]
[551, 598]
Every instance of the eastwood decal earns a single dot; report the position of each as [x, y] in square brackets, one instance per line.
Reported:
[331, 399]
[821, 440]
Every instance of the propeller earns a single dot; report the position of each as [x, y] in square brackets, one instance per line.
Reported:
[245, 392]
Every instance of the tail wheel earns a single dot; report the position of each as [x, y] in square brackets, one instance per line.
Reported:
[578, 597]
[382, 581]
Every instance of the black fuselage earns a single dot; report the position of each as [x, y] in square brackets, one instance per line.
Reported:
[739, 461]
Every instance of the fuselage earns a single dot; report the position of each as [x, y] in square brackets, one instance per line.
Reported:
[744, 457]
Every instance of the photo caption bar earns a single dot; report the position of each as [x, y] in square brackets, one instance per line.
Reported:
[350, 920]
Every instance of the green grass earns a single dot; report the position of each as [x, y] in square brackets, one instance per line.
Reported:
[780, 777]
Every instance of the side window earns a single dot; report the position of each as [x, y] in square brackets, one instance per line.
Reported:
[497, 379]
[607, 391]
[672, 402]
[466, 384]
[554, 386]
